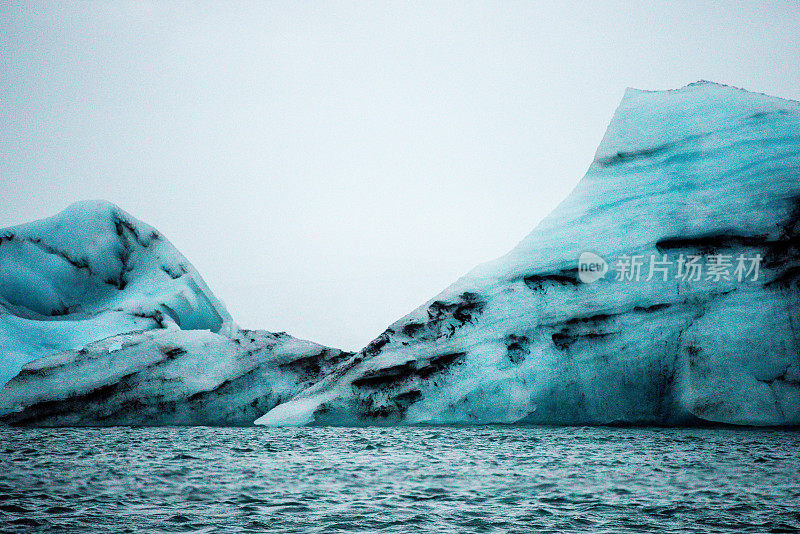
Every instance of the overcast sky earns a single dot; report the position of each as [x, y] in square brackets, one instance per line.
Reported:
[328, 167]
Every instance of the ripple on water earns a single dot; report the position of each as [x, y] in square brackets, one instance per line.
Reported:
[459, 479]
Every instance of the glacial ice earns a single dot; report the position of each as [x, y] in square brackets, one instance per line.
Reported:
[88, 273]
[706, 170]
[104, 322]
[166, 377]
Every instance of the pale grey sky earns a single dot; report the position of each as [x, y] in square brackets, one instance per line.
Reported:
[328, 167]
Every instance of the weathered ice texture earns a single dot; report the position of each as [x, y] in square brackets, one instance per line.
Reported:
[706, 170]
[166, 377]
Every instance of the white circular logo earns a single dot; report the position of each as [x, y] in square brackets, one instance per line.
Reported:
[591, 267]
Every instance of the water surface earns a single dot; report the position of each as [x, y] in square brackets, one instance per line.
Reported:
[417, 480]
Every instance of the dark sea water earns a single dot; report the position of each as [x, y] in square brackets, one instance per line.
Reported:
[410, 480]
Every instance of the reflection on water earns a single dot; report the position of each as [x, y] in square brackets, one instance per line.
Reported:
[439, 479]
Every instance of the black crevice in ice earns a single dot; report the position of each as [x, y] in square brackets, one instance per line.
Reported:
[564, 277]
[625, 157]
[781, 252]
[423, 368]
[444, 319]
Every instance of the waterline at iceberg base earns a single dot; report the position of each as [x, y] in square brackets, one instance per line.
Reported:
[704, 173]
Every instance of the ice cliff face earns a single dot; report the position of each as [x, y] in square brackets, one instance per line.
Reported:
[705, 175]
[90, 272]
[107, 323]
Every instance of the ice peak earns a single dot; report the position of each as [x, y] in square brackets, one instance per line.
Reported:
[645, 120]
[95, 210]
[98, 204]
[91, 208]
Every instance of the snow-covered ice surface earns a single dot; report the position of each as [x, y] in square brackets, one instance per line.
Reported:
[706, 170]
[107, 323]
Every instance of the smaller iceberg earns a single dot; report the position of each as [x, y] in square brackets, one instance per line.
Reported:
[104, 322]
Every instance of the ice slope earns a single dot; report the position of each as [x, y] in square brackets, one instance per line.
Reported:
[88, 273]
[704, 170]
[166, 377]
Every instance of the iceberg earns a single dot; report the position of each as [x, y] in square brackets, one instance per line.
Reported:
[663, 290]
[104, 322]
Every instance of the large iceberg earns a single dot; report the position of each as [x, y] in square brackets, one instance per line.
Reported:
[104, 322]
[683, 310]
